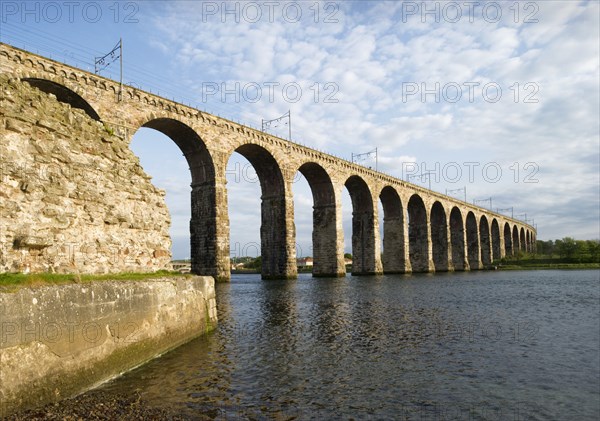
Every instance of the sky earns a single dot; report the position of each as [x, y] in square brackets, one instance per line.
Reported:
[498, 101]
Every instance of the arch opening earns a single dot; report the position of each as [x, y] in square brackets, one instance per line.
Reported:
[496, 247]
[508, 244]
[457, 239]
[365, 259]
[63, 94]
[243, 214]
[418, 236]
[209, 255]
[439, 237]
[326, 258]
[515, 241]
[523, 240]
[191, 145]
[473, 250]
[485, 241]
[393, 254]
[278, 255]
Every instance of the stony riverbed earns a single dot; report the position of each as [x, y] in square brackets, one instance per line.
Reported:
[97, 405]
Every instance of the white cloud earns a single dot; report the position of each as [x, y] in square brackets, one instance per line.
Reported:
[373, 50]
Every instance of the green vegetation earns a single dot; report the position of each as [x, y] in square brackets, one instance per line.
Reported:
[567, 253]
[571, 250]
[10, 282]
[305, 269]
[255, 263]
[250, 264]
[109, 130]
[534, 264]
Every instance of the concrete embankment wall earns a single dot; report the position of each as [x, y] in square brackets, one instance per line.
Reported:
[58, 341]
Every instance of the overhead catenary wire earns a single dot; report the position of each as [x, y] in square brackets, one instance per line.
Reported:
[82, 56]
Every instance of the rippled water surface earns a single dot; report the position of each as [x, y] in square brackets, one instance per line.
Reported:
[481, 345]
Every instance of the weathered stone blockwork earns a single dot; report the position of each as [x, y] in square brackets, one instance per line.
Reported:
[58, 341]
[74, 197]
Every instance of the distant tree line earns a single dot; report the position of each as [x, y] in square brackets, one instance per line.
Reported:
[567, 250]
[570, 250]
[254, 263]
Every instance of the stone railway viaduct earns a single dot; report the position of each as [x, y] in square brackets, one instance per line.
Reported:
[424, 231]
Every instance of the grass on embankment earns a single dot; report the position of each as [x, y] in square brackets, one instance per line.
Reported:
[11, 282]
[530, 262]
[533, 266]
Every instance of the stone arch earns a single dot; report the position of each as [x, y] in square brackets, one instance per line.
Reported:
[523, 240]
[439, 237]
[63, 94]
[515, 240]
[508, 244]
[394, 258]
[457, 240]
[209, 255]
[364, 255]
[328, 260]
[278, 254]
[418, 235]
[194, 150]
[473, 251]
[496, 247]
[485, 241]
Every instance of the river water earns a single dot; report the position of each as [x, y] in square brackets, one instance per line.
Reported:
[458, 346]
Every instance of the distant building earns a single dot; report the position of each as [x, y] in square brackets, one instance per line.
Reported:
[182, 267]
[304, 262]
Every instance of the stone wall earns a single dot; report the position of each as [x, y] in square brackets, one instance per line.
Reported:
[58, 341]
[73, 196]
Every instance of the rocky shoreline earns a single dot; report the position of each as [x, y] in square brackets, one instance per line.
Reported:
[96, 405]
